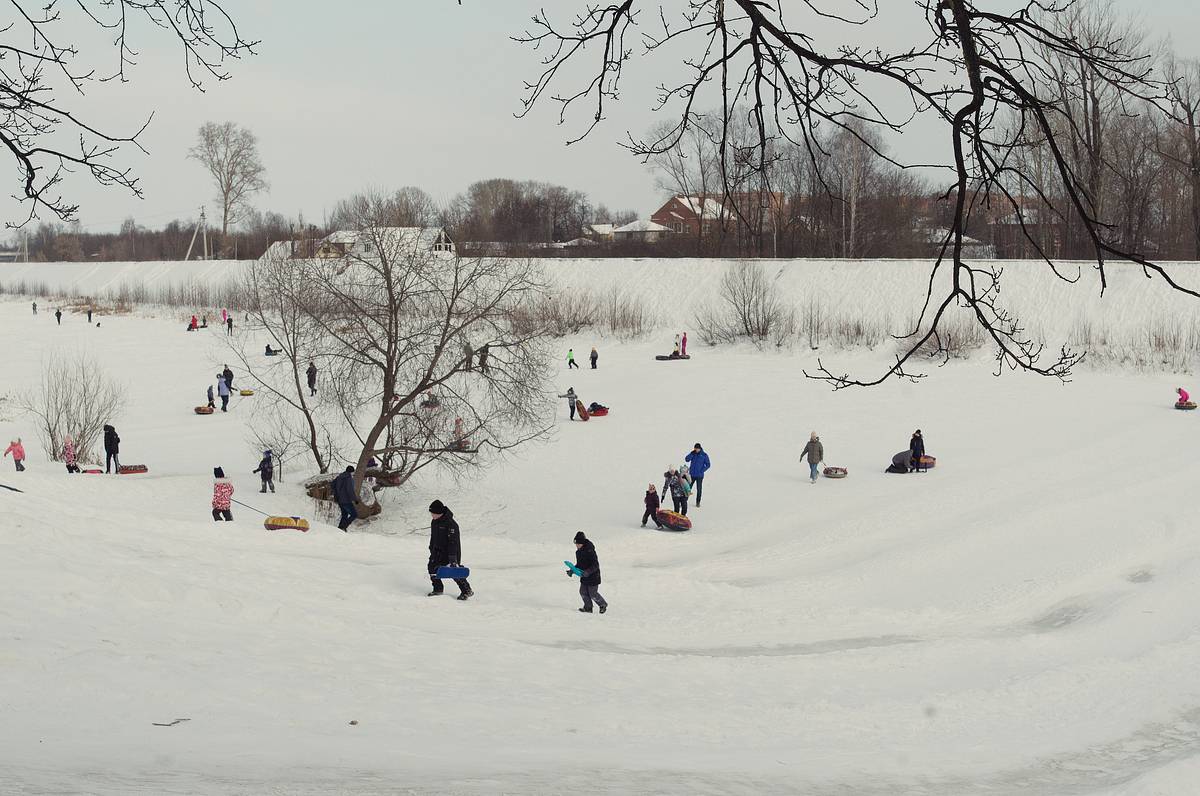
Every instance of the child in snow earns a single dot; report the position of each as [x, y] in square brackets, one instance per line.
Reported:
[679, 494]
[69, 455]
[222, 496]
[667, 476]
[683, 345]
[588, 563]
[18, 453]
[1183, 395]
[594, 357]
[571, 359]
[571, 399]
[652, 504]
[266, 471]
[211, 405]
[815, 452]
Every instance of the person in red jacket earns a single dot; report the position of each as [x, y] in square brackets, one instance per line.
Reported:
[652, 504]
[1183, 395]
[222, 496]
[18, 453]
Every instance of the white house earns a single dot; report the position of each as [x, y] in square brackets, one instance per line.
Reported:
[363, 243]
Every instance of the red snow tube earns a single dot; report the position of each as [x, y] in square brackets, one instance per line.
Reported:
[599, 412]
[1185, 405]
[130, 469]
[835, 472]
[673, 520]
[926, 463]
[204, 410]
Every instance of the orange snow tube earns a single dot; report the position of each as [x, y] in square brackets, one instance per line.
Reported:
[204, 410]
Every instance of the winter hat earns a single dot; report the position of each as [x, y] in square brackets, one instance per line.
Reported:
[218, 472]
[349, 468]
[437, 507]
[651, 488]
[580, 538]
[813, 435]
[267, 452]
[697, 445]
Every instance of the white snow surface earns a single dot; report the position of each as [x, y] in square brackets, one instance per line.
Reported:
[1019, 620]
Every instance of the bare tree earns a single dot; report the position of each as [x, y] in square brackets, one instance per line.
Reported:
[230, 155]
[75, 398]
[40, 56]
[1180, 144]
[395, 316]
[979, 74]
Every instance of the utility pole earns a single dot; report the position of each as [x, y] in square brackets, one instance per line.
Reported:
[199, 226]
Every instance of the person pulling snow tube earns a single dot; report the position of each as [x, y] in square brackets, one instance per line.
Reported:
[673, 520]
[835, 472]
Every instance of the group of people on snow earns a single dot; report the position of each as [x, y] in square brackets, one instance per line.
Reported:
[58, 314]
[112, 450]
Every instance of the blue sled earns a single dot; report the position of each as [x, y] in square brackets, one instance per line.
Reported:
[451, 573]
[574, 569]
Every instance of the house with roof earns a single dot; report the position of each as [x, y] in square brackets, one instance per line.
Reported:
[690, 215]
[366, 243]
[640, 231]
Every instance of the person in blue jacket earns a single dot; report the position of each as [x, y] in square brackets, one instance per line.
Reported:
[698, 464]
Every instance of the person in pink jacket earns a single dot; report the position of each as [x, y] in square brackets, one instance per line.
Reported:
[18, 453]
[222, 496]
[1183, 395]
[69, 455]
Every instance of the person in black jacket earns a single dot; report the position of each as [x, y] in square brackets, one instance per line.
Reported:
[589, 584]
[266, 471]
[444, 548]
[343, 493]
[112, 447]
[228, 374]
[917, 446]
[312, 378]
[652, 504]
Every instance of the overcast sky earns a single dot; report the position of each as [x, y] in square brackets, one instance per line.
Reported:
[399, 93]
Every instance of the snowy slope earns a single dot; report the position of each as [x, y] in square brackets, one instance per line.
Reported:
[1018, 621]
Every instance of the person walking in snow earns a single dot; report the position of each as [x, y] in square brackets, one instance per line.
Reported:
[343, 493]
[594, 357]
[652, 503]
[229, 325]
[89, 314]
[815, 452]
[571, 359]
[224, 315]
[58, 316]
[917, 446]
[571, 400]
[312, 378]
[112, 449]
[222, 496]
[228, 374]
[587, 562]
[211, 405]
[445, 548]
[468, 356]
[193, 324]
[679, 493]
[223, 391]
[699, 464]
[266, 471]
[18, 453]
[484, 350]
[683, 345]
[35, 308]
[69, 455]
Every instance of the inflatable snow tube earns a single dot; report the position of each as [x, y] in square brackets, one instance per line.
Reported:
[92, 470]
[599, 412]
[669, 357]
[926, 463]
[131, 469]
[1185, 405]
[285, 524]
[204, 410]
[835, 472]
[246, 392]
[673, 520]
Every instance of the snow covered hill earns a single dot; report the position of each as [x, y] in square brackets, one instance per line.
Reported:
[1020, 620]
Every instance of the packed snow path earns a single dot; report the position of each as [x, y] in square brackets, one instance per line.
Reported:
[1020, 620]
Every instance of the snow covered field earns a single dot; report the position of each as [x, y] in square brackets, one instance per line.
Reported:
[1020, 620]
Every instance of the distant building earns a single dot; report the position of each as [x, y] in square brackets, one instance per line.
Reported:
[972, 248]
[690, 215]
[1012, 234]
[364, 243]
[599, 232]
[640, 231]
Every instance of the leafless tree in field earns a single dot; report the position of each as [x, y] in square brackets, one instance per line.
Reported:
[39, 59]
[229, 153]
[978, 73]
[397, 318]
[278, 303]
[75, 398]
[1180, 142]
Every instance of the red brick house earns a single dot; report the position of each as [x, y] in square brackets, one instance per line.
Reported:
[689, 214]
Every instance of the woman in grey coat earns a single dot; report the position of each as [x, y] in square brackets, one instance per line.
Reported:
[814, 451]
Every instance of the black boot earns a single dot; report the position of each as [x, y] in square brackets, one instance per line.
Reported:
[603, 608]
[585, 610]
[434, 593]
[466, 594]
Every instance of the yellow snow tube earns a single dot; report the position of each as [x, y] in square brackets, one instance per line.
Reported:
[246, 392]
[285, 524]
